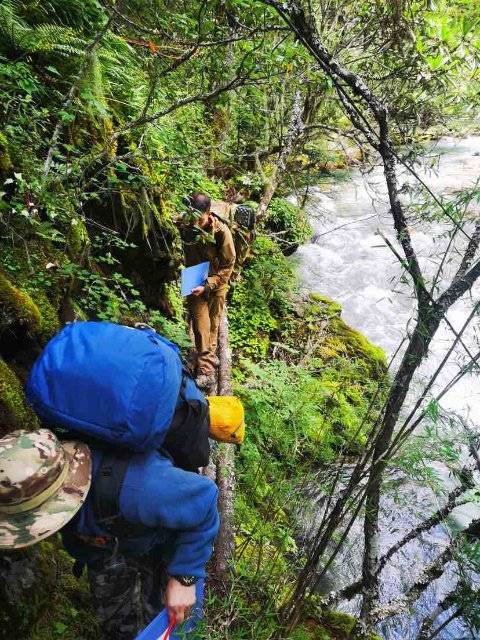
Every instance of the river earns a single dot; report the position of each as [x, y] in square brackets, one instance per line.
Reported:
[348, 260]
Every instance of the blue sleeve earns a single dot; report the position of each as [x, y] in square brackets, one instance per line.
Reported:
[183, 502]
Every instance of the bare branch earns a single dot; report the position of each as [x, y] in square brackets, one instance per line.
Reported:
[198, 97]
[426, 576]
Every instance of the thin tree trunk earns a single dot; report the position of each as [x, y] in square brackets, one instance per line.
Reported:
[295, 129]
[436, 518]
[416, 351]
[425, 632]
[225, 472]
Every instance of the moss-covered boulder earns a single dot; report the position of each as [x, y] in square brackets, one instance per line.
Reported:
[70, 613]
[17, 308]
[14, 411]
[41, 599]
[321, 317]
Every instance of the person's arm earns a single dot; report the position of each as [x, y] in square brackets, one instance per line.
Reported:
[159, 495]
[225, 265]
[183, 502]
[193, 549]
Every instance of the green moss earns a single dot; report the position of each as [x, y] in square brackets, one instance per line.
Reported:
[5, 160]
[346, 340]
[69, 615]
[18, 307]
[78, 240]
[35, 290]
[14, 412]
[323, 306]
[328, 625]
[27, 578]
[49, 321]
[341, 625]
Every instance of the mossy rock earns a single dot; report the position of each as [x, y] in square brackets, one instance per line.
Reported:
[343, 340]
[70, 613]
[328, 625]
[49, 320]
[27, 579]
[14, 411]
[41, 599]
[324, 306]
[17, 308]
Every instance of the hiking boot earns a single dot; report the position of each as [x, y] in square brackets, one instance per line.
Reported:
[205, 380]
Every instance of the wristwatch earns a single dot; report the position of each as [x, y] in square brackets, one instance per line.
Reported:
[187, 581]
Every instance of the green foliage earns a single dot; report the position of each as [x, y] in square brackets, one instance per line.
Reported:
[171, 329]
[14, 411]
[288, 222]
[260, 299]
[103, 218]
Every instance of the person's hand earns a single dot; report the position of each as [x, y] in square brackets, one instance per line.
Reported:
[198, 291]
[179, 600]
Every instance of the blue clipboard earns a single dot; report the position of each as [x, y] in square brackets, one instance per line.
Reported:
[159, 625]
[195, 276]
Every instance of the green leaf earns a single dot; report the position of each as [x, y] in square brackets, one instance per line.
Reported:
[59, 628]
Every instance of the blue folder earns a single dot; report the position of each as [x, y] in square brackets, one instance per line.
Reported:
[159, 625]
[195, 276]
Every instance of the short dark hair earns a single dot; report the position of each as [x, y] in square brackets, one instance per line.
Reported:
[200, 201]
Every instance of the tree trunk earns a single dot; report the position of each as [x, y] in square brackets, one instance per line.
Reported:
[416, 351]
[295, 129]
[225, 471]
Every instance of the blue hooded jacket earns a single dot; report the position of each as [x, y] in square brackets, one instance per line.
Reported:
[180, 507]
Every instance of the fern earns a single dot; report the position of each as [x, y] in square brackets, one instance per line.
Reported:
[54, 38]
[77, 14]
[13, 29]
[17, 37]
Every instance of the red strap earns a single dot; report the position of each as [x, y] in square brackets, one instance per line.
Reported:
[170, 628]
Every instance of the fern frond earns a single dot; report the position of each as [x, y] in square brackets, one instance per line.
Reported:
[13, 29]
[54, 38]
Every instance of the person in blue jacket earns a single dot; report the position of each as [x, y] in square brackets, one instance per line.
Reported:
[167, 522]
[143, 527]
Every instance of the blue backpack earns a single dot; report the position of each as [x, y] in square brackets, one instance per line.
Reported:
[111, 383]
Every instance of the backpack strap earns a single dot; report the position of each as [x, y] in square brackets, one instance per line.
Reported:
[106, 496]
[187, 440]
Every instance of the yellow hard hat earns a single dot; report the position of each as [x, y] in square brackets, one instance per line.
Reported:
[227, 419]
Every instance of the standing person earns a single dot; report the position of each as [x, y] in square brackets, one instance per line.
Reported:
[207, 239]
[145, 530]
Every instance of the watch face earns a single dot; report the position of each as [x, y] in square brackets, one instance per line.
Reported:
[187, 581]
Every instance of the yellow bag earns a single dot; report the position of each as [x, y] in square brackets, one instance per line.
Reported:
[227, 419]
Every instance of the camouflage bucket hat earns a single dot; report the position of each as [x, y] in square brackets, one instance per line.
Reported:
[43, 483]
